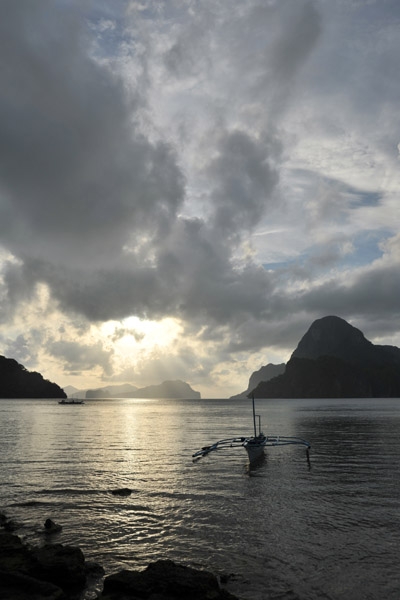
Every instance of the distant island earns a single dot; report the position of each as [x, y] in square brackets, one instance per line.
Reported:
[335, 360]
[111, 391]
[166, 389]
[17, 382]
[264, 374]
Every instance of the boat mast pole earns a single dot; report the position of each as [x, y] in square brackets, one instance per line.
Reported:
[254, 416]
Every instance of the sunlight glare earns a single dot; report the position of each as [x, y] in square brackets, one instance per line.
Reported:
[134, 333]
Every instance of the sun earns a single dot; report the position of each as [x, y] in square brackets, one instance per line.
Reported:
[134, 334]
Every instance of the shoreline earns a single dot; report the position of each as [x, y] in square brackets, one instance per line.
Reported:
[61, 572]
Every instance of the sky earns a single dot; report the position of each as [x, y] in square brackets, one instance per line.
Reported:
[185, 185]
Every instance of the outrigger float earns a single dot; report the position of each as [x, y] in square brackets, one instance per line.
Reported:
[254, 445]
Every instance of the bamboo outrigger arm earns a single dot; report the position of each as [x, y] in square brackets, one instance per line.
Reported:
[259, 441]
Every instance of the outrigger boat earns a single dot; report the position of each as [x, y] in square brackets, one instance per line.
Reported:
[71, 401]
[254, 445]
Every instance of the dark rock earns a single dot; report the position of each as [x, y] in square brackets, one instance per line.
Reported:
[14, 555]
[48, 573]
[9, 541]
[164, 580]
[16, 586]
[57, 572]
[62, 565]
[51, 527]
[7, 524]
[122, 492]
[94, 570]
[10, 525]
[226, 577]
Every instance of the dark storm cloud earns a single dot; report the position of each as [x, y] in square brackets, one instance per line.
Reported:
[193, 278]
[371, 293]
[18, 349]
[299, 26]
[76, 177]
[77, 357]
[94, 205]
[271, 43]
[368, 297]
[97, 293]
[277, 331]
[90, 206]
[244, 180]
[188, 54]
[24, 347]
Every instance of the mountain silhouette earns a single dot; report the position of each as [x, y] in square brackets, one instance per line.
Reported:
[266, 373]
[167, 389]
[17, 382]
[335, 360]
[333, 336]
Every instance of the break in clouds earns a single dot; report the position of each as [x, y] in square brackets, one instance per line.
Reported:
[232, 165]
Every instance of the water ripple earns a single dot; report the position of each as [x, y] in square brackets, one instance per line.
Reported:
[283, 530]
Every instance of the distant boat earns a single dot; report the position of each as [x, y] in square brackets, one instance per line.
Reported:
[254, 445]
[71, 401]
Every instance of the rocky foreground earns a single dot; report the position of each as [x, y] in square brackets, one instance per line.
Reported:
[58, 572]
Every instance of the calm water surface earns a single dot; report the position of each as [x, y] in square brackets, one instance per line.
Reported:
[284, 529]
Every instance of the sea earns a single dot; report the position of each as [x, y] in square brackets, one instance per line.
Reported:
[284, 529]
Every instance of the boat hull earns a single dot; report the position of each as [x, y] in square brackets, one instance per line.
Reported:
[71, 402]
[255, 447]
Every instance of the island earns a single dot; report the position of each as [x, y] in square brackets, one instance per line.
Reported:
[166, 389]
[335, 360]
[18, 382]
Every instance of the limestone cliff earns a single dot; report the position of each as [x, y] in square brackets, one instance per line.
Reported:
[335, 360]
[266, 373]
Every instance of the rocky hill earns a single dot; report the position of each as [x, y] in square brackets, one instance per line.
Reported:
[107, 391]
[97, 393]
[167, 389]
[17, 382]
[333, 336]
[335, 360]
[264, 374]
[70, 390]
[111, 391]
